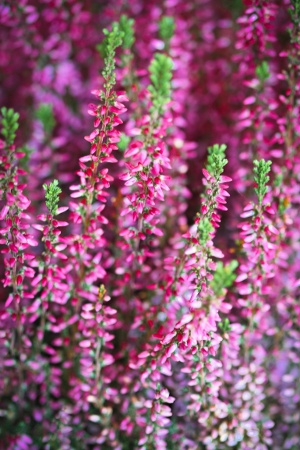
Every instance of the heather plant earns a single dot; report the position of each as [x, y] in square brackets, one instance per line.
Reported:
[150, 266]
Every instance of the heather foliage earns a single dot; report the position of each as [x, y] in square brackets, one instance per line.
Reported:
[150, 266]
[9, 125]
[52, 196]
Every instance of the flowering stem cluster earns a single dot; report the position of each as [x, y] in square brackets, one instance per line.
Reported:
[140, 308]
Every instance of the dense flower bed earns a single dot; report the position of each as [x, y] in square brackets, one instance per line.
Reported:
[150, 243]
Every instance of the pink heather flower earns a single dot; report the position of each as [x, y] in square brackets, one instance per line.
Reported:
[173, 347]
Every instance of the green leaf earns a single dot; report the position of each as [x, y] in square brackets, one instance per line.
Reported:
[52, 196]
[262, 71]
[224, 325]
[204, 228]
[123, 142]
[160, 75]
[126, 27]
[45, 115]
[224, 276]
[166, 29]
[10, 124]
[112, 40]
[216, 160]
[261, 170]
[295, 11]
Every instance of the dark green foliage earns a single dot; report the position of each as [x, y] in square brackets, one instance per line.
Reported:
[235, 6]
[10, 124]
[295, 11]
